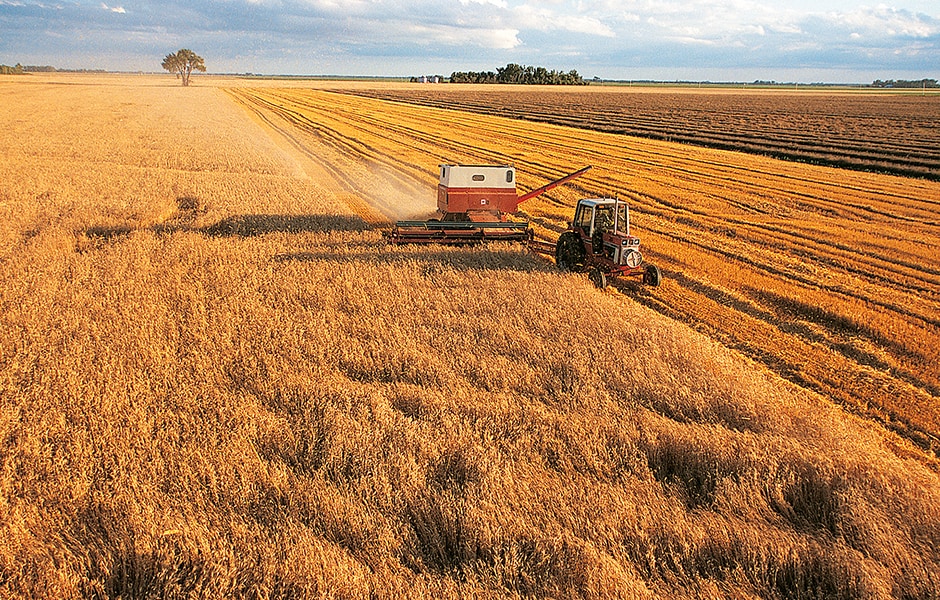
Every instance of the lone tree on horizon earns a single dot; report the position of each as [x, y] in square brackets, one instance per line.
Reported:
[183, 62]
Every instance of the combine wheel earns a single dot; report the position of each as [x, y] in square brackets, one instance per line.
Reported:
[569, 252]
[598, 278]
[652, 275]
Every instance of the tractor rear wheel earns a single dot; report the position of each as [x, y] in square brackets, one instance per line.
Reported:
[598, 278]
[569, 252]
[652, 276]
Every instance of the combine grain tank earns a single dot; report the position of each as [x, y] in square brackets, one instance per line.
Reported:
[477, 192]
[474, 204]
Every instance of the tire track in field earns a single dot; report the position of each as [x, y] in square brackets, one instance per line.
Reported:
[813, 363]
[323, 171]
[877, 268]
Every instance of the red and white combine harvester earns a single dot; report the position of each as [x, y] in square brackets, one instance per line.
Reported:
[475, 203]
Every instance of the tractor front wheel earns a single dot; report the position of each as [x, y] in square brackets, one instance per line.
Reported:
[652, 276]
[598, 278]
[569, 252]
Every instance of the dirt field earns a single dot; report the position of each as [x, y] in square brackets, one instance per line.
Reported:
[217, 381]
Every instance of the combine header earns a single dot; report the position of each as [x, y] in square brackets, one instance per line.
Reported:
[474, 203]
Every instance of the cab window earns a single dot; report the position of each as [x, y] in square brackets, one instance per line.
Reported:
[623, 219]
[605, 218]
[583, 218]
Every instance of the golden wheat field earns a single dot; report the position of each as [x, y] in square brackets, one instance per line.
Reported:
[217, 381]
[829, 277]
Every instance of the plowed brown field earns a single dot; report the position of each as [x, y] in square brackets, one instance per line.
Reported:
[828, 276]
[888, 132]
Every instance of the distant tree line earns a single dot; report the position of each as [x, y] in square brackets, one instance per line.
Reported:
[513, 73]
[905, 83]
[21, 69]
[473, 77]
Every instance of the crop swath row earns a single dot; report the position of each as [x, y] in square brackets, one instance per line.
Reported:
[829, 277]
[890, 133]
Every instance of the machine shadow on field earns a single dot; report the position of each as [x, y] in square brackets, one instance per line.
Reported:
[97, 237]
[108, 234]
[430, 260]
[254, 225]
[245, 226]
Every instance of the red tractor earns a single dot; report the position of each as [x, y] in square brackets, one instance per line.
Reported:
[598, 242]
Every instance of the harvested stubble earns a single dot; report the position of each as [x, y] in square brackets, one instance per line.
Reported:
[293, 410]
[893, 132]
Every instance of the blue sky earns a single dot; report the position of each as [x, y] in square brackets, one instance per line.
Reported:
[717, 40]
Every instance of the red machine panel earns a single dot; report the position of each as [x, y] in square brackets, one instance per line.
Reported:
[465, 200]
[477, 188]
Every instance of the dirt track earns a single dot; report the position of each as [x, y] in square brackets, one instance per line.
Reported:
[374, 192]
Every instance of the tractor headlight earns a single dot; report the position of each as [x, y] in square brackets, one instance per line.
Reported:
[632, 258]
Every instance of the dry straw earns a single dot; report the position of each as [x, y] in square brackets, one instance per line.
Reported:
[216, 381]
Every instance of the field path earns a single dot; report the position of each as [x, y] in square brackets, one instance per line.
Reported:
[326, 160]
[828, 277]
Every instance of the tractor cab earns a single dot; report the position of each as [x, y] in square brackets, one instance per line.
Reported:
[603, 224]
[599, 242]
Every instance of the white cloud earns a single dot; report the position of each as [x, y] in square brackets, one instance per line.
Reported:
[528, 16]
[449, 35]
[340, 7]
[721, 22]
[114, 9]
[496, 3]
[786, 28]
[888, 21]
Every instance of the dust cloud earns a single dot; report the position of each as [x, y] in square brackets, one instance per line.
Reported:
[402, 197]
